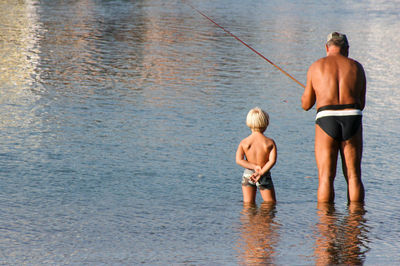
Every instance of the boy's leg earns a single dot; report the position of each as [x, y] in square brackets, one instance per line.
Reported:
[326, 153]
[249, 194]
[351, 153]
[268, 195]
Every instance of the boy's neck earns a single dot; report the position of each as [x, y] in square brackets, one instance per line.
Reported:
[256, 132]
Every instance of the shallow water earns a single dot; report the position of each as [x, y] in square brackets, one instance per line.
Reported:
[120, 121]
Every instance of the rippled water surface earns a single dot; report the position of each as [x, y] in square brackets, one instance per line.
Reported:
[120, 120]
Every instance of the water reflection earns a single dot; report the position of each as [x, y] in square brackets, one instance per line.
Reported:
[259, 234]
[19, 44]
[341, 239]
[20, 33]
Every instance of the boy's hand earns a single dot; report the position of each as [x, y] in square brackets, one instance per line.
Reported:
[255, 177]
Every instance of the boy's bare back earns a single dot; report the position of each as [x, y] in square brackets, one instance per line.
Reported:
[257, 148]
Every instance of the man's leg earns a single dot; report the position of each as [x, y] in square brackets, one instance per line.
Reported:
[326, 153]
[351, 153]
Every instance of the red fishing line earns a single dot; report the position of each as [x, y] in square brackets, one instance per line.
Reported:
[248, 46]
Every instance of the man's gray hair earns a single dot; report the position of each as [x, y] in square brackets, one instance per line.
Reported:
[337, 39]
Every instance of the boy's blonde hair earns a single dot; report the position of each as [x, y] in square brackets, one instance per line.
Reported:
[257, 119]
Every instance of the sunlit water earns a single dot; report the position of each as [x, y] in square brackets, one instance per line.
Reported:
[120, 120]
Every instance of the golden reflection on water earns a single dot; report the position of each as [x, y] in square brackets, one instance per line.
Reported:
[18, 43]
[19, 56]
[259, 234]
[340, 240]
[70, 54]
[170, 58]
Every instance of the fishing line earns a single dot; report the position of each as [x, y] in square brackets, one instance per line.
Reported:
[248, 46]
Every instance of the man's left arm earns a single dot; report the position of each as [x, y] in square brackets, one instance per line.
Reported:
[363, 81]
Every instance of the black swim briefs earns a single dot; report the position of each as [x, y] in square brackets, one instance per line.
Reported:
[338, 123]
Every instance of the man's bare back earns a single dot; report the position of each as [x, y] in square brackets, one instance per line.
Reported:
[335, 80]
[337, 85]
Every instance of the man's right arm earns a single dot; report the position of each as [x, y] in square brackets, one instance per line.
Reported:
[363, 81]
[308, 98]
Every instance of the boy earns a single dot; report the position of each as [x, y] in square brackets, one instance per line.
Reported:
[257, 154]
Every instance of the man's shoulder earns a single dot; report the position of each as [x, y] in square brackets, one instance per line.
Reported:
[358, 64]
[318, 62]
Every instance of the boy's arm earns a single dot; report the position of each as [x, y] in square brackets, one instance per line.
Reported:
[241, 161]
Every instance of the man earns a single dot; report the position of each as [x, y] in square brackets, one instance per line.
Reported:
[338, 85]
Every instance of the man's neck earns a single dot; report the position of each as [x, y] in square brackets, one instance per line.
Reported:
[336, 51]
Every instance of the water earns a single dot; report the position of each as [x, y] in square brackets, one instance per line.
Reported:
[120, 120]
